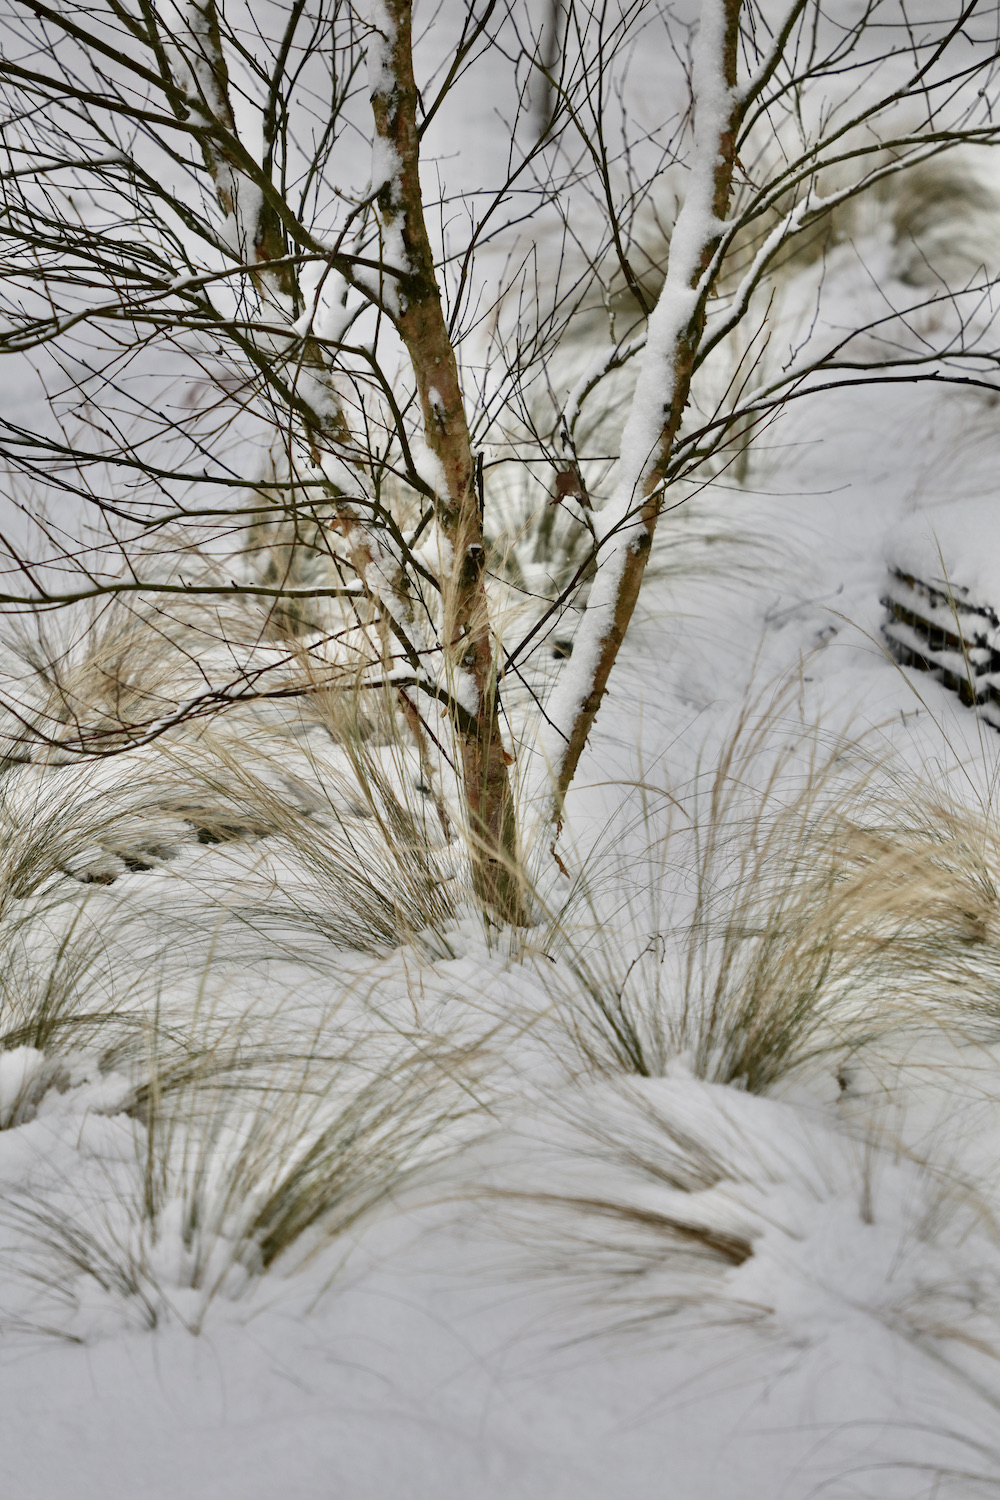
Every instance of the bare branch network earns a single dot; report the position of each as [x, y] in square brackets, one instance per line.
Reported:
[312, 392]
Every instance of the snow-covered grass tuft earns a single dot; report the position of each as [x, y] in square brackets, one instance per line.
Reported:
[260, 1159]
[99, 673]
[346, 842]
[185, 1016]
[668, 1205]
[228, 1142]
[802, 901]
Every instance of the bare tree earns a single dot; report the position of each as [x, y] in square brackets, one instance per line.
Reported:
[778, 146]
[224, 282]
[266, 333]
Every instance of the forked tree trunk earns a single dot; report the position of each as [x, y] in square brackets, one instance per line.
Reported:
[415, 300]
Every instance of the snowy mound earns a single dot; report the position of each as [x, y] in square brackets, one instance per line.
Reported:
[955, 546]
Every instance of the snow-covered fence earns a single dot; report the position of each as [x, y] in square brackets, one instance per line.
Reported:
[937, 628]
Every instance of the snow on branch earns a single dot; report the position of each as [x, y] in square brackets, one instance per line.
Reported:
[624, 526]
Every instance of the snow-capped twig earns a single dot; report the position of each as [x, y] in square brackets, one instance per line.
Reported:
[602, 364]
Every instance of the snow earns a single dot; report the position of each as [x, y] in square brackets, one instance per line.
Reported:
[381, 1388]
[955, 543]
[617, 525]
[536, 1311]
[378, 55]
[19, 1068]
[386, 164]
[428, 466]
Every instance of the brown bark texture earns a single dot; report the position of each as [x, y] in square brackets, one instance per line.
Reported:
[466, 635]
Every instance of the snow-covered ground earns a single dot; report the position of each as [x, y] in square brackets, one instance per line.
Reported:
[835, 1328]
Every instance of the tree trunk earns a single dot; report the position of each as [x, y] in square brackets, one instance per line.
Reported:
[414, 300]
[664, 385]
